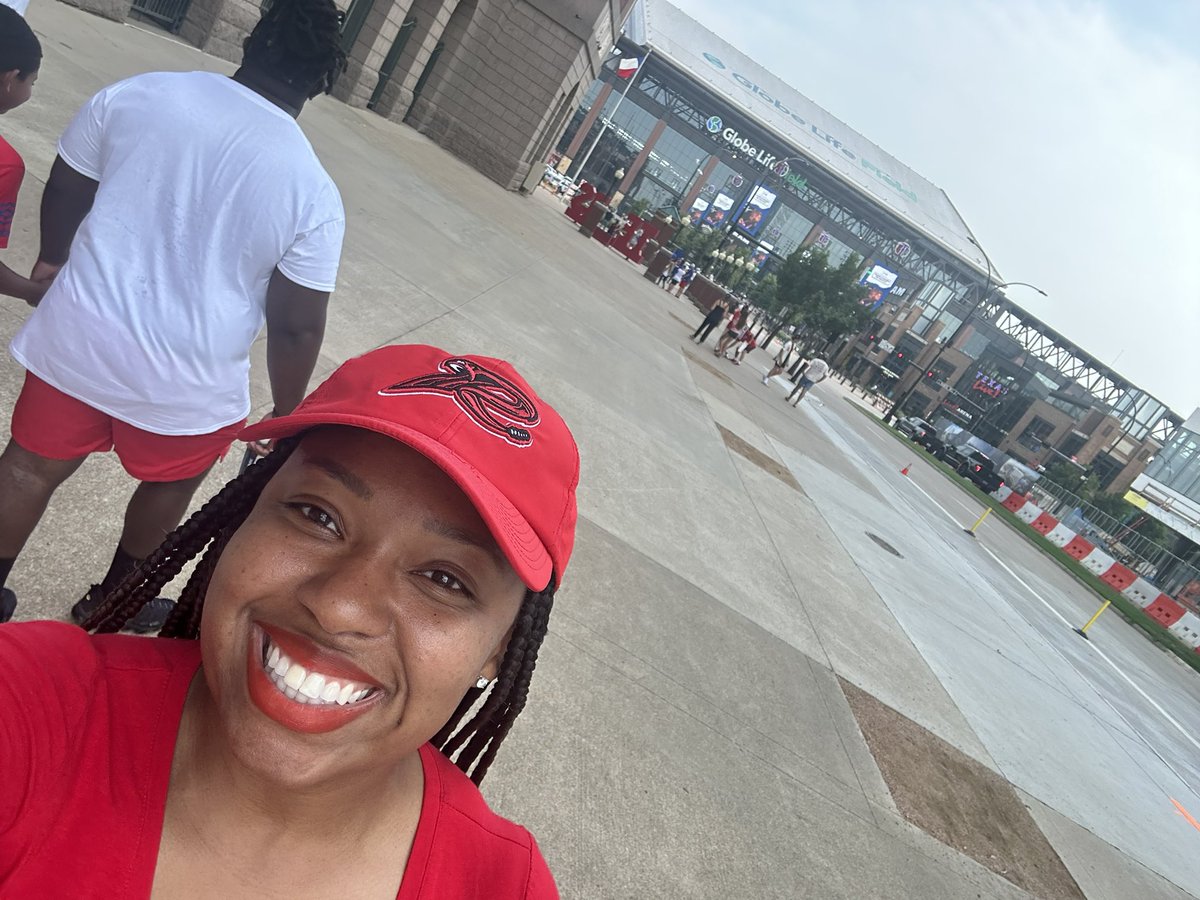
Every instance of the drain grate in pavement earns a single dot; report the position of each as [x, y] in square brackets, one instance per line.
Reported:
[760, 459]
[959, 801]
[884, 544]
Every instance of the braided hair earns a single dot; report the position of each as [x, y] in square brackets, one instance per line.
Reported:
[473, 733]
[20, 49]
[300, 43]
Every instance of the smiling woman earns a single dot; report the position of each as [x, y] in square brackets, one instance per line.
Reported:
[353, 646]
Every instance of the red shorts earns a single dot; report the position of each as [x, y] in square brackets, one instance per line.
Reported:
[55, 425]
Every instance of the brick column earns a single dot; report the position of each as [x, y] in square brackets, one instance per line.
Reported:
[698, 185]
[589, 120]
[813, 234]
[659, 127]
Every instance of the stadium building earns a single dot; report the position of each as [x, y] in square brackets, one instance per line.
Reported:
[705, 133]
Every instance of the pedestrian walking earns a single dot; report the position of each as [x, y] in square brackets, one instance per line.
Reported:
[711, 321]
[664, 278]
[20, 60]
[355, 644]
[688, 274]
[745, 343]
[782, 360]
[815, 372]
[184, 210]
[733, 330]
[677, 276]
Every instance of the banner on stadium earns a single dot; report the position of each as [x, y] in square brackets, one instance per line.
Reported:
[719, 211]
[754, 213]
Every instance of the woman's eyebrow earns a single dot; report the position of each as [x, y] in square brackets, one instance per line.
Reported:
[340, 473]
[469, 538]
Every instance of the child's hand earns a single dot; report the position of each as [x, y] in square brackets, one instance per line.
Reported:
[35, 292]
[44, 271]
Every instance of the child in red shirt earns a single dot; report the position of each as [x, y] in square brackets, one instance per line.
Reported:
[20, 59]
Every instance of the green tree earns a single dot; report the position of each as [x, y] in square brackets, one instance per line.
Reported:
[825, 300]
[698, 243]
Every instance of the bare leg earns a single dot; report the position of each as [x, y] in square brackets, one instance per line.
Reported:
[155, 510]
[27, 481]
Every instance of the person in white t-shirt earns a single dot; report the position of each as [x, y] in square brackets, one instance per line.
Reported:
[183, 212]
[815, 372]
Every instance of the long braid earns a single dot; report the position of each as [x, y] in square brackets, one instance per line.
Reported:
[300, 43]
[224, 512]
[483, 732]
[470, 740]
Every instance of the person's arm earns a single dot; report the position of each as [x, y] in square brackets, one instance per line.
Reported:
[295, 329]
[14, 285]
[68, 197]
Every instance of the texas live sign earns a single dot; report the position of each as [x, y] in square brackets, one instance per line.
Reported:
[749, 85]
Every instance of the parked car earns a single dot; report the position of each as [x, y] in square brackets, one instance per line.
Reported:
[974, 466]
[931, 442]
[913, 427]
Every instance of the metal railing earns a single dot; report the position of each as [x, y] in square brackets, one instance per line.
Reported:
[167, 13]
[1118, 539]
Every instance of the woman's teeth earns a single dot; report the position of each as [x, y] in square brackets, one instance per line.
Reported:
[298, 684]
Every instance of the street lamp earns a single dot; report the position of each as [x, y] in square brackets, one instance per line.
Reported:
[890, 417]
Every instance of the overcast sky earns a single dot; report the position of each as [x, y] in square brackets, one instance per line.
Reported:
[1066, 133]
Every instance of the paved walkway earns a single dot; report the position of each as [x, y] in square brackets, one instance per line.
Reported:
[686, 736]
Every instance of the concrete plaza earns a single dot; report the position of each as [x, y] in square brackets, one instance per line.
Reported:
[686, 734]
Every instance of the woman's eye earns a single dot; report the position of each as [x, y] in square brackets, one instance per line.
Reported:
[445, 580]
[317, 516]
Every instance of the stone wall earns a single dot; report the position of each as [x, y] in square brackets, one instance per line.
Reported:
[509, 75]
[499, 88]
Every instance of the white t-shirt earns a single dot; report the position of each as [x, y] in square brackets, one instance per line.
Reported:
[817, 370]
[205, 189]
[19, 5]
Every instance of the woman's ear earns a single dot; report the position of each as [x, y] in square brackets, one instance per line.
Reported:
[491, 668]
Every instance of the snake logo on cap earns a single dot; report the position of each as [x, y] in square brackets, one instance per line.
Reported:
[491, 401]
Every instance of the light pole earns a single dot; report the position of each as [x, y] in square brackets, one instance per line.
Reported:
[604, 123]
[890, 417]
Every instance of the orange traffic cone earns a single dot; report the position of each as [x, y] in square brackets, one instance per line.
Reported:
[904, 471]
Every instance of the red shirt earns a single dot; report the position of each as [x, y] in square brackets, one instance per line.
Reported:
[87, 734]
[12, 171]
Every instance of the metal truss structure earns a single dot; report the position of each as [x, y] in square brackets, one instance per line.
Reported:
[1140, 414]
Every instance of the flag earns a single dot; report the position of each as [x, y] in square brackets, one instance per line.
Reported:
[626, 67]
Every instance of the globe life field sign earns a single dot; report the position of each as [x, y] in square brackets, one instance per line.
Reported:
[801, 125]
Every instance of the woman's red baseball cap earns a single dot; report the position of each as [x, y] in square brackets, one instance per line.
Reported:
[481, 423]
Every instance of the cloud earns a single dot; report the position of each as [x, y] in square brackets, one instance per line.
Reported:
[1065, 136]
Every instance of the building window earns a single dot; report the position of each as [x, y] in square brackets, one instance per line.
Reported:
[786, 230]
[1072, 444]
[1036, 433]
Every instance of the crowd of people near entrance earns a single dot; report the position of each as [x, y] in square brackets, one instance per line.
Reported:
[365, 603]
[742, 334]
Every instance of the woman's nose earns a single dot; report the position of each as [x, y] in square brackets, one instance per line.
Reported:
[349, 597]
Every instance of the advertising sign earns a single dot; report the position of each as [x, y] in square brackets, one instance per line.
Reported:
[696, 213]
[719, 211]
[761, 254]
[755, 211]
[879, 282]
